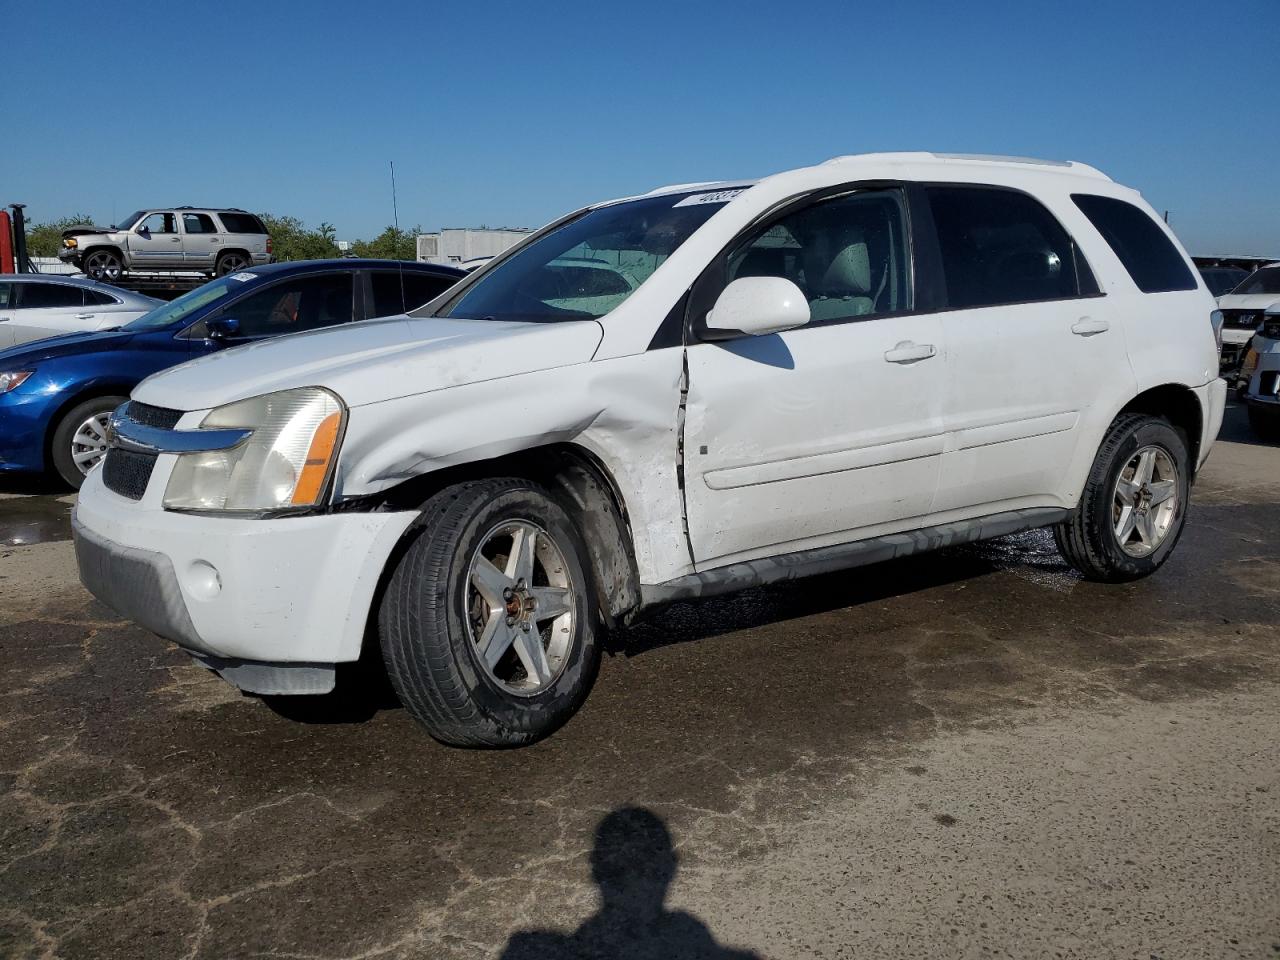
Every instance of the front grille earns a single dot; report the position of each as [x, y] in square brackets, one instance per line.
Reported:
[150, 416]
[1241, 319]
[127, 472]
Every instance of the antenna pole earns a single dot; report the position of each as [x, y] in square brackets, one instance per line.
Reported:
[395, 218]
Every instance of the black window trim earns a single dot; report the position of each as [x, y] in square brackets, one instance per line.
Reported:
[682, 326]
[702, 294]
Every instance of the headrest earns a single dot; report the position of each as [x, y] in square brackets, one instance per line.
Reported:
[849, 273]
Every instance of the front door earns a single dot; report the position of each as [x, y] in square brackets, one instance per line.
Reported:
[831, 432]
[155, 243]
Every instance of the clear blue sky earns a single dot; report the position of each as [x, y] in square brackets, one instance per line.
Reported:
[509, 114]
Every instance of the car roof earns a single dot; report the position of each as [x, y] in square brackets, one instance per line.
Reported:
[67, 279]
[919, 161]
[350, 263]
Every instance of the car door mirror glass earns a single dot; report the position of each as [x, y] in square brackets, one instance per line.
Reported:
[222, 328]
[755, 306]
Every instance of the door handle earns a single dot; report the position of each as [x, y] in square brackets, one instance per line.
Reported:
[85, 316]
[1088, 327]
[908, 351]
[176, 240]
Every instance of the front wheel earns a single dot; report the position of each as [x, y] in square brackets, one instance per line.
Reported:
[103, 265]
[487, 624]
[1134, 503]
[80, 439]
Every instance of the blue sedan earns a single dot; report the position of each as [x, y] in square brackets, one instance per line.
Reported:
[56, 394]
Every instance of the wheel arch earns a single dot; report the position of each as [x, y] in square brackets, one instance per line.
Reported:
[97, 388]
[1178, 404]
[110, 248]
[581, 484]
[240, 250]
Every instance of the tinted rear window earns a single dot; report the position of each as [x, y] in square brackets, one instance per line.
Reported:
[1002, 246]
[242, 223]
[1146, 251]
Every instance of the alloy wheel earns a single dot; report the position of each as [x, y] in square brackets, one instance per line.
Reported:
[1145, 501]
[102, 265]
[519, 603]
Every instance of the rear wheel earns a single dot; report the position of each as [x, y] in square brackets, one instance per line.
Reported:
[1134, 503]
[230, 262]
[487, 624]
[80, 439]
[104, 265]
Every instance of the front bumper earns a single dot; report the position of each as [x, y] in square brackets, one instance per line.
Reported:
[70, 255]
[290, 592]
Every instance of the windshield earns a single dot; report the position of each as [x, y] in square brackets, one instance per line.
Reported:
[1220, 280]
[187, 304]
[588, 266]
[129, 221]
[1266, 280]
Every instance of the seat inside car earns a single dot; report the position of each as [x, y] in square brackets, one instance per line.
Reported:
[842, 287]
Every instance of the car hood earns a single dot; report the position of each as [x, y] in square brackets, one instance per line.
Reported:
[80, 229]
[375, 360]
[70, 345]
[1248, 301]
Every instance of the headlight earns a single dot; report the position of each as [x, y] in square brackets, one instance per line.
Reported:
[12, 379]
[286, 462]
[1216, 321]
[71, 243]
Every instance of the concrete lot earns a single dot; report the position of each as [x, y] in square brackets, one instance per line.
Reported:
[970, 754]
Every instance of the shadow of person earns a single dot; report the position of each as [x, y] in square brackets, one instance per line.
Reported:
[633, 863]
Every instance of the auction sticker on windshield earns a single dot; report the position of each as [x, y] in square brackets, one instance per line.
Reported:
[719, 196]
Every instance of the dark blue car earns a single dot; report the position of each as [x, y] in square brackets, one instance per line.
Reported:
[56, 394]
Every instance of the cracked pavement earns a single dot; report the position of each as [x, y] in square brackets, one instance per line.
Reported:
[972, 754]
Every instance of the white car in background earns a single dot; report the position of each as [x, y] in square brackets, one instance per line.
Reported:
[34, 306]
[1242, 311]
[1262, 373]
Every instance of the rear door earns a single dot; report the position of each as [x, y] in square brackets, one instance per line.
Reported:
[156, 243]
[827, 433]
[48, 309]
[1030, 348]
[200, 241]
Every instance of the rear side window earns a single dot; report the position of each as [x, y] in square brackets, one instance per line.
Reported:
[198, 223]
[35, 295]
[418, 289]
[241, 223]
[93, 298]
[1146, 251]
[1002, 246]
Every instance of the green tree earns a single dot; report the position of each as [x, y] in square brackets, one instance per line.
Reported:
[45, 239]
[391, 244]
[291, 239]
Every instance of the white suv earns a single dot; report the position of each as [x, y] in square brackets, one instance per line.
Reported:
[832, 366]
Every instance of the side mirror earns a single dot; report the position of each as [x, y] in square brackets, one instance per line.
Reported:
[222, 328]
[756, 306]
[143, 231]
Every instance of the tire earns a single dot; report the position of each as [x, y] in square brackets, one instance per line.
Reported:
[229, 261]
[433, 618]
[1264, 423]
[1089, 539]
[68, 440]
[103, 265]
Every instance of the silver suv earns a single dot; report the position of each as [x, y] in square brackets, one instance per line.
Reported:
[215, 242]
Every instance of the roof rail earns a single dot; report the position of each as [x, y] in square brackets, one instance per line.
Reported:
[1074, 165]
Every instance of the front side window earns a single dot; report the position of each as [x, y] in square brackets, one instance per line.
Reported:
[305, 303]
[1002, 246]
[34, 296]
[848, 254]
[585, 268]
[198, 223]
[1266, 280]
[1146, 251]
[159, 223]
